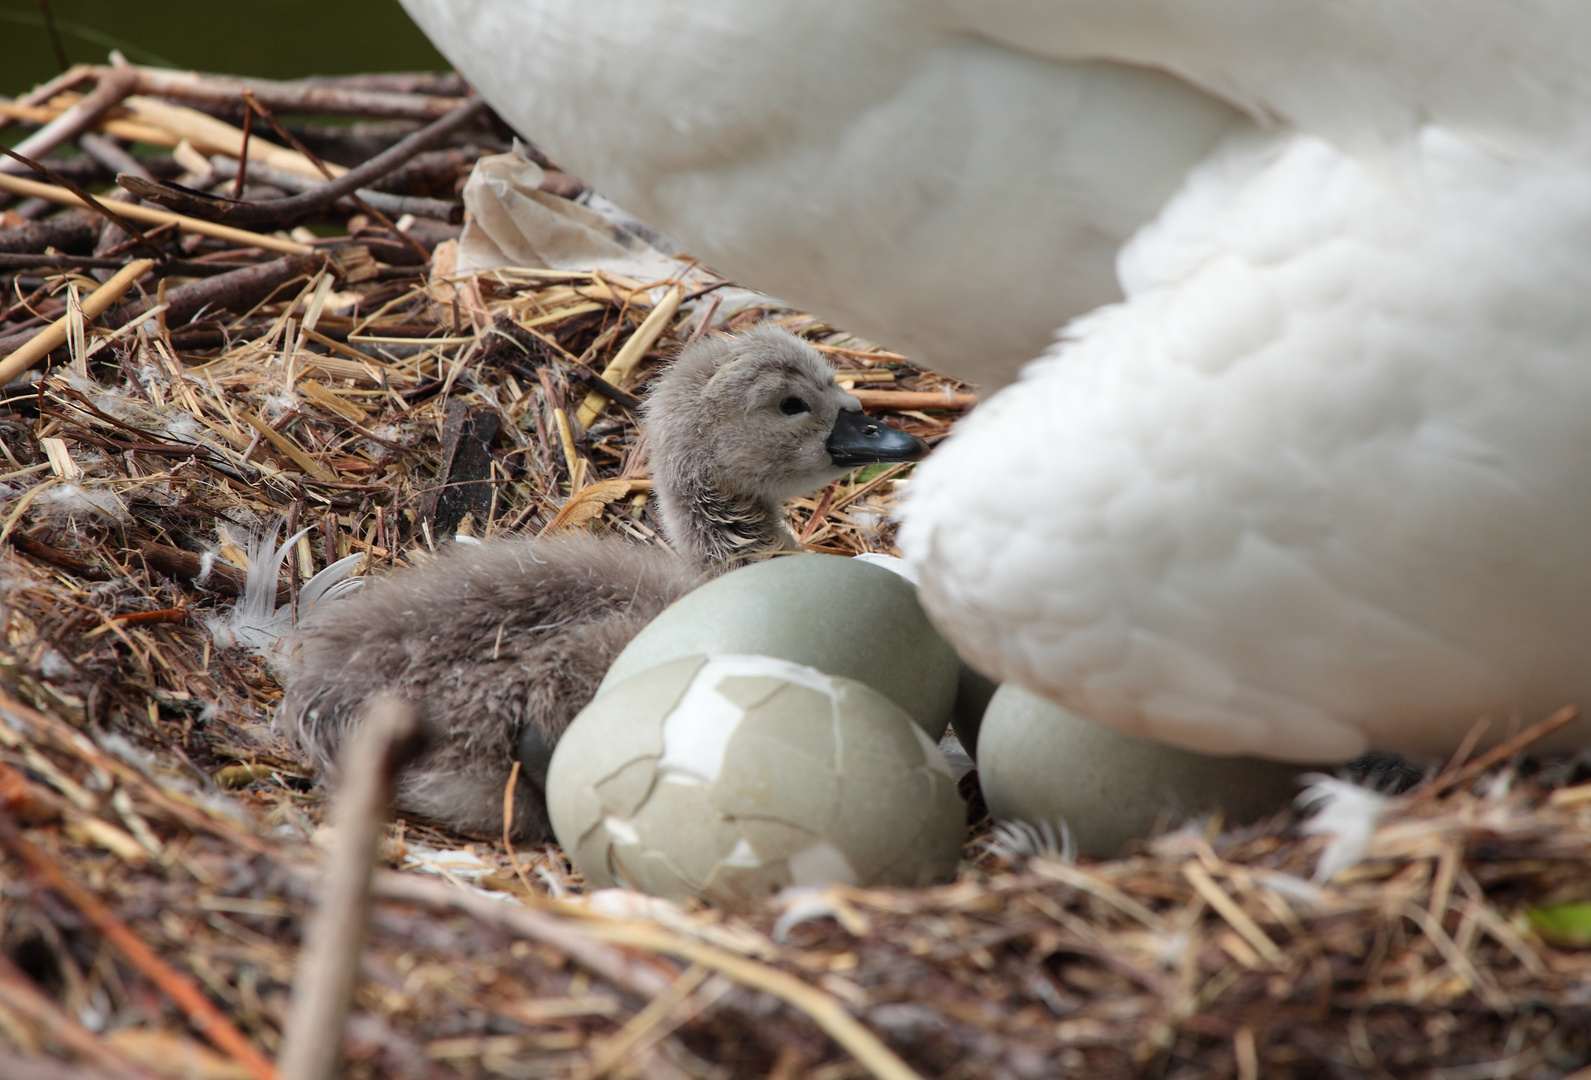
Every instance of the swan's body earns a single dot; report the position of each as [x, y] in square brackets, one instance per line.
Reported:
[1310, 476]
[501, 643]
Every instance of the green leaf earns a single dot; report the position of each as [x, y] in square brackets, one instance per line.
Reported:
[1565, 925]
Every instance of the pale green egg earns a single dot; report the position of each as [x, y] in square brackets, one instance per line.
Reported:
[1041, 764]
[842, 616]
[734, 776]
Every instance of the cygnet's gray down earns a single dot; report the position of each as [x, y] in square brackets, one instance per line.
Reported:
[500, 644]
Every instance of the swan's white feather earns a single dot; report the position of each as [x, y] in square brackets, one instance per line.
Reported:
[1345, 812]
[883, 197]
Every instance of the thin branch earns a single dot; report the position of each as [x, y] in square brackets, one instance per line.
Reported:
[113, 88]
[328, 967]
[316, 198]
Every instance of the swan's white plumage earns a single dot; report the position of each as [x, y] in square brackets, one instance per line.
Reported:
[1309, 473]
[1318, 482]
[851, 157]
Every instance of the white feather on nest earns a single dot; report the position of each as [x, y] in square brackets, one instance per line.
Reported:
[254, 622]
[1344, 811]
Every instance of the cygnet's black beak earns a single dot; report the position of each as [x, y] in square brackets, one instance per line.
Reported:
[858, 439]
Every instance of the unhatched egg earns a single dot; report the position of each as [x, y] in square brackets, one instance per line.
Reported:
[1041, 764]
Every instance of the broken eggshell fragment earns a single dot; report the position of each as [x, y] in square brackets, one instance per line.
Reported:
[838, 615]
[734, 776]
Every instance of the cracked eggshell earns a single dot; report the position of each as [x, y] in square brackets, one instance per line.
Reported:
[843, 616]
[733, 776]
[1041, 764]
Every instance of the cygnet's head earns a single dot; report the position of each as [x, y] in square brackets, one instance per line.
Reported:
[759, 413]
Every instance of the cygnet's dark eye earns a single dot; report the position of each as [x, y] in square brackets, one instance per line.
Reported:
[792, 405]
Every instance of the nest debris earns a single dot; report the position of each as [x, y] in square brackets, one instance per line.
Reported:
[161, 845]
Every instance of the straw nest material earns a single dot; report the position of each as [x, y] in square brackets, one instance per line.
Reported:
[162, 848]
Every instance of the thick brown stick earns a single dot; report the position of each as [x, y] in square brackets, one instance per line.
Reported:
[235, 290]
[75, 230]
[38, 549]
[113, 88]
[386, 202]
[328, 964]
[298, 97]
[429, 171]
[205, 1017]
[316, 198]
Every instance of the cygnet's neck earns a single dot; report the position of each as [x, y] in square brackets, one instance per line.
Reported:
[714, 525]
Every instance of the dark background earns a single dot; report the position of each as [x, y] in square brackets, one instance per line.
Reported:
[276, 38]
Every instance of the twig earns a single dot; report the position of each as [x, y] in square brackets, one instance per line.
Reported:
[238, 289]
[457, 116]
[38, 549]
[643, 980]
[508, 827]
[1239, 919]
[16, 185]
[82, 196]
[296, 97]
[67, 80]
[113, 88]
[53, 336]
[65, 232]
[184, 267]
[1499, 753]
[592, 381]
[386, 202]
[625, 1042]
[175, 614]
[706, 321]
[109, 155]
[204, 1016]
[317, 197]
[243, 154]
[328, 967]
[54, 35]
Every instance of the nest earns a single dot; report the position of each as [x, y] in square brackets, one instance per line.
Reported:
[162, 849]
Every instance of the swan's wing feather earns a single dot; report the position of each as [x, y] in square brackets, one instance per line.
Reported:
[1364, 73]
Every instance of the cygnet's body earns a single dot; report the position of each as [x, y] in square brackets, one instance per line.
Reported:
[502, 643]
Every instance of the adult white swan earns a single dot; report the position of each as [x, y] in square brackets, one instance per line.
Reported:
[1312, 471]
